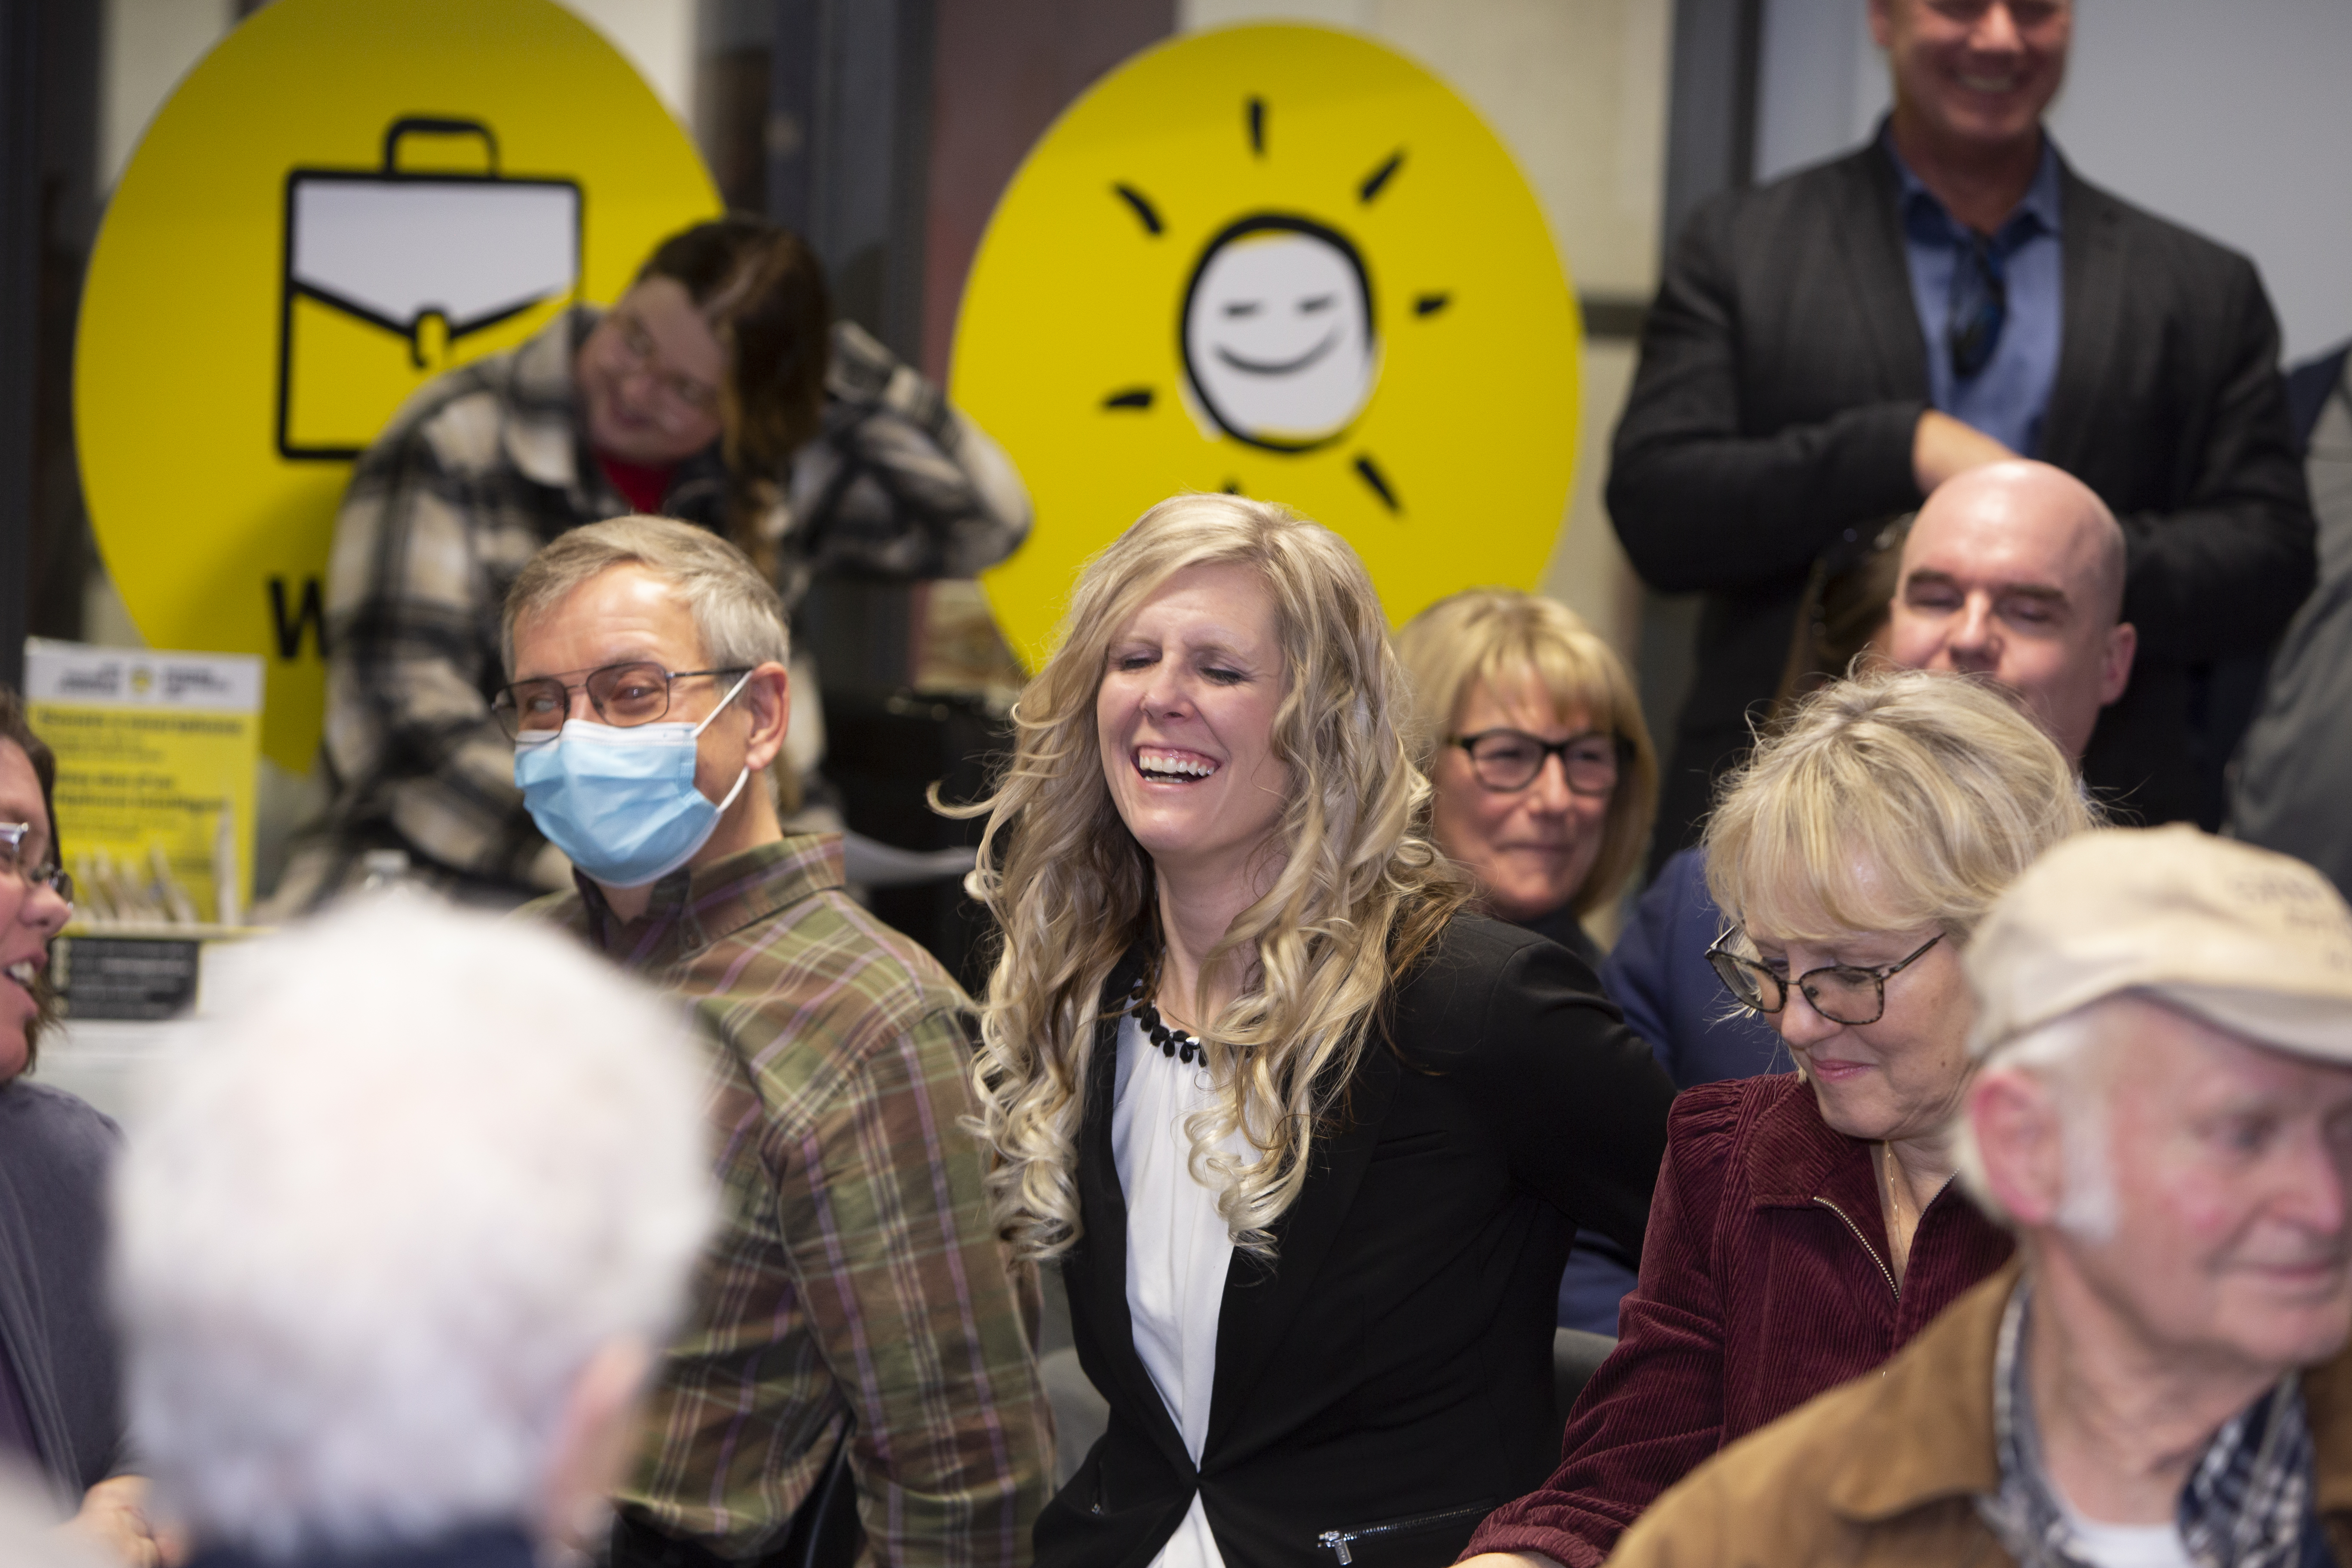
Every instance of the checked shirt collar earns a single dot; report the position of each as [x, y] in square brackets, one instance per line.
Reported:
[2248, 1502]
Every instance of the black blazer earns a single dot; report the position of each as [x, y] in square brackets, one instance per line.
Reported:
[1394, 1363]
[1783, 370]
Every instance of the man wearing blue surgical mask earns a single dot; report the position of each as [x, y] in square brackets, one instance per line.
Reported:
[857, 1358]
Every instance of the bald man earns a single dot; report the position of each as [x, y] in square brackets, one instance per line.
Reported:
[2015, 571]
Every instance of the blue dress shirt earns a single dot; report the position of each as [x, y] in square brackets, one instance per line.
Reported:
[2008, 397]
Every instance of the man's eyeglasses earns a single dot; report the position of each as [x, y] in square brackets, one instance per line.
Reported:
[1507, 760]
[639, 353]
[1841, 993]
[47, 873]
[623, 695]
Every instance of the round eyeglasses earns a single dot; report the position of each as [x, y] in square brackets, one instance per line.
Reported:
[1507, 760]
[1841, 993]
[623, 695]
[47, 873]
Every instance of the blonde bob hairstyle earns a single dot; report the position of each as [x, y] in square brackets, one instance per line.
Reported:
[1502, 637]
[1362, 890]
[1893, 800]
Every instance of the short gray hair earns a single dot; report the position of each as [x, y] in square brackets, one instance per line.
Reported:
[737, 612]
[419, 1167]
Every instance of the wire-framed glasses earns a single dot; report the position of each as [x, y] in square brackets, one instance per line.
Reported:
[1507, 760]
[1841, 993]
[47, 873]
[623, 695]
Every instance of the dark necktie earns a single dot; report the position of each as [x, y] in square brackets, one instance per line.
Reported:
[1979, 306]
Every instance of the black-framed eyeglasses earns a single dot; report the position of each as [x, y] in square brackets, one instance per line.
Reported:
[1507, 760]
[1841, 993]
[48, 874]
[623, 695]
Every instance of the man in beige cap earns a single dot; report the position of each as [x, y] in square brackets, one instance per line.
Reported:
[2164, 1115]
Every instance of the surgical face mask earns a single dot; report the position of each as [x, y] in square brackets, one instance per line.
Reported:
[621, 802]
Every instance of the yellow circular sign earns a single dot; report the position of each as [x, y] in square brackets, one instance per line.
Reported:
[1284, 261]
[344, 198]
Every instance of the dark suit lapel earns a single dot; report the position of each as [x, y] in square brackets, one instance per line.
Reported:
[2091, 265]
[1878, 279]
[1259, 1307]
[1103, 1205]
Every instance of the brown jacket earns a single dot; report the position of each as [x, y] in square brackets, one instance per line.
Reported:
[1886, 1469]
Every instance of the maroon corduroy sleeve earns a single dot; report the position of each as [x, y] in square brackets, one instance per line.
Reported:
[1653, 1411]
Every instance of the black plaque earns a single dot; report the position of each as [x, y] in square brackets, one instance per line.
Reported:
[122, 977]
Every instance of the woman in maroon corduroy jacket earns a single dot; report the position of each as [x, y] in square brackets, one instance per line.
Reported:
[1805, 1224]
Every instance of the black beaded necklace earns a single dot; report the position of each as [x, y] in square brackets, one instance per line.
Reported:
[1176, 1042]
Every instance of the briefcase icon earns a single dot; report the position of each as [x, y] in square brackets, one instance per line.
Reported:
[391, 275]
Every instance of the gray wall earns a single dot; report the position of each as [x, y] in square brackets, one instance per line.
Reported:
[2223, 115]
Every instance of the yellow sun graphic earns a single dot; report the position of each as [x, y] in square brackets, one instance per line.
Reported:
[1286, 262]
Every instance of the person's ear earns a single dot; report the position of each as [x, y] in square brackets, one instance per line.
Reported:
[594, 1438]
[2116, 662]
[2020, 1142]
[1882, 22]
[767, 699]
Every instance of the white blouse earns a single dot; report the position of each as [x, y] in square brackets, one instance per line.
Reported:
[1177, 1252]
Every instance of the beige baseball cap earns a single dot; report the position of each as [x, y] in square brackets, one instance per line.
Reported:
[2252, 942]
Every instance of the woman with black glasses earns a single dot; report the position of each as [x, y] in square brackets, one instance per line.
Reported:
[1806, 1224]
[1542, 785]
[1542, 774]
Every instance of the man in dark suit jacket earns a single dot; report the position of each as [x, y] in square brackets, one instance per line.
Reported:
[1813, 340]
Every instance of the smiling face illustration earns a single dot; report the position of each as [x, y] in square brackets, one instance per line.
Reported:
[1307, 273]
[1277, 332]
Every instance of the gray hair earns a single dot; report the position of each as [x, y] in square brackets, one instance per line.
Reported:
[2068, 1054]
[736, 611]
[416, 1171]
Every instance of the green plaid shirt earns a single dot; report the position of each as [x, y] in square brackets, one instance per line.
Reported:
[856, 1277]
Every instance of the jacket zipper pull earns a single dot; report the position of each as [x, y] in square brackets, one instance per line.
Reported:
[1337, 1539]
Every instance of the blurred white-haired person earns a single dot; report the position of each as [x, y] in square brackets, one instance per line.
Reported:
[397, 1237]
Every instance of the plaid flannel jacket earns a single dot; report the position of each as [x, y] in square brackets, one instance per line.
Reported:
[490, 461]
[856, 1275]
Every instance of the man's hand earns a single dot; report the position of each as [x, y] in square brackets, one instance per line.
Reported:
[1941, 446]
[113, 1518]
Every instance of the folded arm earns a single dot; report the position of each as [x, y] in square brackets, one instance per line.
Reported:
[1701, 501]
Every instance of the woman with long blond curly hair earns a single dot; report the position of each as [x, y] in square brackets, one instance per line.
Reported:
[1309, 1138]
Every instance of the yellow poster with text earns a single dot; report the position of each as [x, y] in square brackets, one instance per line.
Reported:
[155, 778]
[345, 198]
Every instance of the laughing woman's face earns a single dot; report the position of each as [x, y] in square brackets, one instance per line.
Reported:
[1185, 713]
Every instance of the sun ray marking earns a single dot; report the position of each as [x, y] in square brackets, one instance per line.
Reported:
[1257, 126]
[1143, 209]
[1131, 397]
[1430, 304]
[1370, 472]
[1379, 178]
